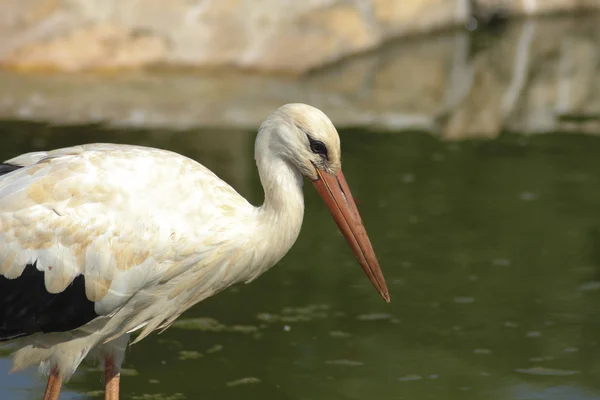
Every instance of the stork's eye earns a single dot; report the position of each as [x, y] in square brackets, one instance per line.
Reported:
[318, 147]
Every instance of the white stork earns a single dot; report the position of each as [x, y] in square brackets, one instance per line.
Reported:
[100, 240]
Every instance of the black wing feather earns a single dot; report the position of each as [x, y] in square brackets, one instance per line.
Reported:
[6, 168]
[26, 307]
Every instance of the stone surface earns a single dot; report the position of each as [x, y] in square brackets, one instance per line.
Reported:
[280, 35]
[269, 35]
[532, 76]
[94, 47]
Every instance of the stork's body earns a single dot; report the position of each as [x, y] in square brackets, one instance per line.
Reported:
[101, 240]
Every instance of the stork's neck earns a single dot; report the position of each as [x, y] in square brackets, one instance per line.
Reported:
[282, 184]
[280, 216]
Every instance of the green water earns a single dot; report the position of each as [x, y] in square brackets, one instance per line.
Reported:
[491, 251]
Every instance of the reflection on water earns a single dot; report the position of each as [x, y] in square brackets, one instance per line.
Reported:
[491, 250]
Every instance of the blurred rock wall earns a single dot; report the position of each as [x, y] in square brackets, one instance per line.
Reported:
[270, 35]
[529, 76]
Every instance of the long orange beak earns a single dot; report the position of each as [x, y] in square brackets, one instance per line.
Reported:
[335, 192]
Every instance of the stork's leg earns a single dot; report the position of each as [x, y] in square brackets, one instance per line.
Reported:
[114, 353]
[112, 376]
[53, 386]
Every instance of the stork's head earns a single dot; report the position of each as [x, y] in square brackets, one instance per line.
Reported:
[304, 137]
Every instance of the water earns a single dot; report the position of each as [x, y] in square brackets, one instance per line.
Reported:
[491, 250]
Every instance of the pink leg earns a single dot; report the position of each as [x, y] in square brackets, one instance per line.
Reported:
[53, 386]
[111, 379]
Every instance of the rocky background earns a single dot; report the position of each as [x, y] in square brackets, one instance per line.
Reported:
[72, 61]
[269, 35]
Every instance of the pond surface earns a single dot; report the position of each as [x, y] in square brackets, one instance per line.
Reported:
[491, 250]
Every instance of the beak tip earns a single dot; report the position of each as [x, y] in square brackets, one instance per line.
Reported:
[386, 297]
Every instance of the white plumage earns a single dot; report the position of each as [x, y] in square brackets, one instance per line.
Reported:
[153, 232]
